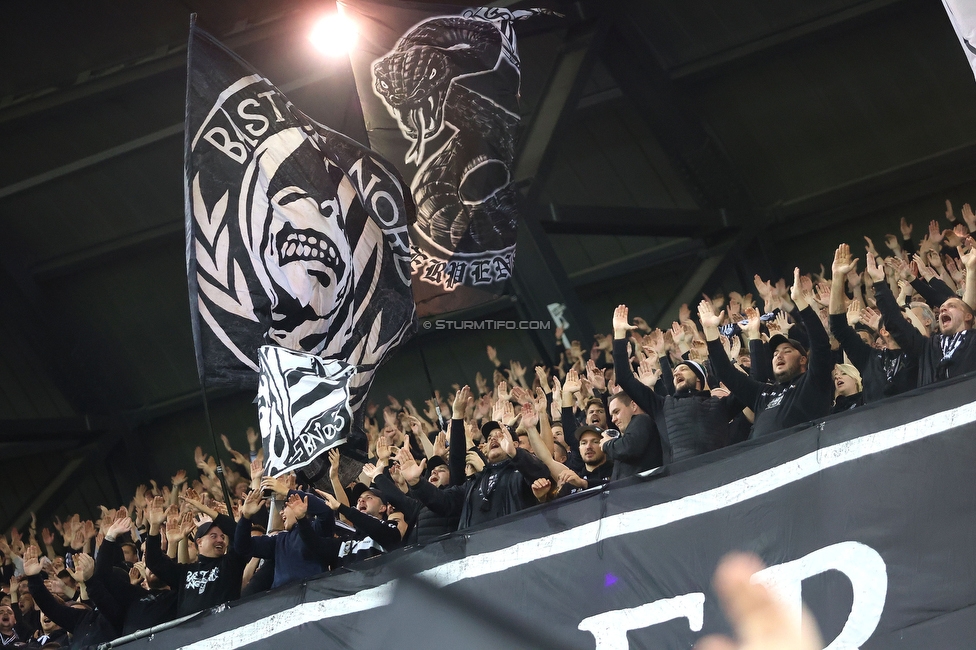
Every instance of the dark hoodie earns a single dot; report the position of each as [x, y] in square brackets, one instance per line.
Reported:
[88, 627]
[299, 553]
[128, 606]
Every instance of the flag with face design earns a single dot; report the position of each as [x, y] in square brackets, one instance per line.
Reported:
[296, 236]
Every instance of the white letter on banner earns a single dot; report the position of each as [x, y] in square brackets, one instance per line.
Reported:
[609, 629]
[256, 131]
[863, 567]
[234, 150]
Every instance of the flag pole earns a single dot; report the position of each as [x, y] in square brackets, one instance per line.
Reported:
[213, 440]
[191, 264]
[437, 409]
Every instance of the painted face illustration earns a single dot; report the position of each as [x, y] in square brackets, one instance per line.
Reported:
[297, 240]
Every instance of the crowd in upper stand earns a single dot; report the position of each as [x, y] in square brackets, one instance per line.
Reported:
[750, 365]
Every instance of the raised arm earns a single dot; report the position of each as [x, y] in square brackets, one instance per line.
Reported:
[556, 469]
[967, 255]
[321, 543]
[446, 502]
[386, 536]
[65, 616]
[168, 570]
[110, 553]
[459, 442]
[745, 388]
[761, 366]
[857, 350]
[409, 506]
[909, 338]
[244, 543]
[820, 364]
[841, 266]
[647, 399]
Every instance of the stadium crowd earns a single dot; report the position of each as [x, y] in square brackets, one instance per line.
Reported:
[638, 398]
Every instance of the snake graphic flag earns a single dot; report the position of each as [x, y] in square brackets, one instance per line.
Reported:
[439, 89]
[296, 236]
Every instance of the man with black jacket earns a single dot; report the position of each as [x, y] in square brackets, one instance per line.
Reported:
[428, 524]
[803, 388]
[88, 627]
[691, 421]
[214, 578]
[597, 468]
[375, 533]
[594, 415]
[951, 352]
[12, 631]
[303, 549]
[128, 606]
[637, 448]
[885, 372]
[504, 486]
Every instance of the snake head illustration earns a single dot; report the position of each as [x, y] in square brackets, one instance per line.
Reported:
[415, 78]
[414, 84]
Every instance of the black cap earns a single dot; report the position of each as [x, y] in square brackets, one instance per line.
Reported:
[203, 529]
[586, 428]
[779, 339]
[436, 461]
[491, 425]
[357, 491]
[375, 492]
[353, 493]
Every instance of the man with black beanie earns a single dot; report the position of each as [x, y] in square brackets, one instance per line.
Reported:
[428, 524]
[691, 421]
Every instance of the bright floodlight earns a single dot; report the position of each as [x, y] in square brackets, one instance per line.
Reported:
[334, 35]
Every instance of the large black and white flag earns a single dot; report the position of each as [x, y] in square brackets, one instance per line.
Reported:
[439, 88]
[303, 407]
[962, 15]
[296, 236]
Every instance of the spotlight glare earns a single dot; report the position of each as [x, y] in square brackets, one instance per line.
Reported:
[334, 35]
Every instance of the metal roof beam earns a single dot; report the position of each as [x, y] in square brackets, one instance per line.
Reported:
[539, 279]
[557, 105]
[615, 220]
[656, 256]
[697, 156]
[43, 329]
[897, 185]
[99, 254]
[133, 145]
[817, 28]
[165, 58]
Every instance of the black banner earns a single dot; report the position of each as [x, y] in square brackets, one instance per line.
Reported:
[296, 235]
[439, 88]
[867, 516]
